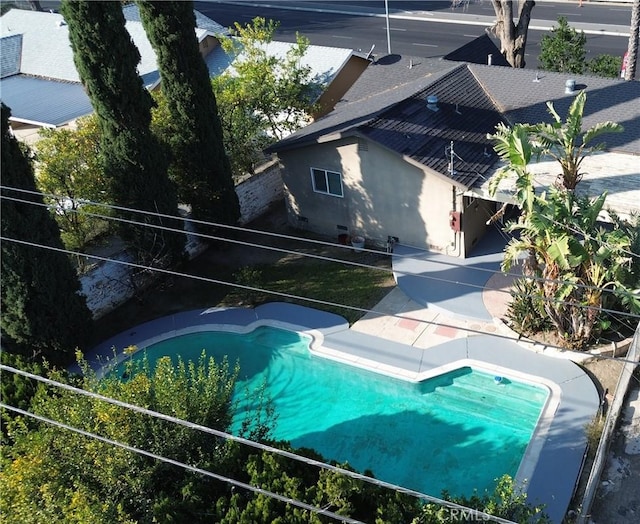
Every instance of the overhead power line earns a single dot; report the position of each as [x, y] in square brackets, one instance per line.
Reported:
[241, 229]
[247, 442]
[194, 469]
[292, 296]
[229, 227]
[322, 257]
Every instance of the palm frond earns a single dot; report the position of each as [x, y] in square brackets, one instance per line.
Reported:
[599, 129]
[574, 117]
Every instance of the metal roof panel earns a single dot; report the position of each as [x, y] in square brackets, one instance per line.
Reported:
[30, 100]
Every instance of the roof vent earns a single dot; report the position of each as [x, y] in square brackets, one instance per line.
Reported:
[432, 103]
[569, 86]
[61, 23]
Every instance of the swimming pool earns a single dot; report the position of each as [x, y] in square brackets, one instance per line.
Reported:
[457, 431]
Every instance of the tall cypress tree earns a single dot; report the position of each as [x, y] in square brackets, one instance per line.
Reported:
[42, 310]
[199, 163]
[134, 161]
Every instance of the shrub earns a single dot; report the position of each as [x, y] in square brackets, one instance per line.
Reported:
[605, 65]
[251, 277]
[526, 312]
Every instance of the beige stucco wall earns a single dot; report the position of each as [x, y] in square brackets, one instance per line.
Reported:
[474, 221]
[207, 44]
[383, 195]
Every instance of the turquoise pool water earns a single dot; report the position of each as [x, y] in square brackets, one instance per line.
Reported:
[458, 431]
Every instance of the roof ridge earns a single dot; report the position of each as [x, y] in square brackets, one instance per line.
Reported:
[440, 78]
[498, 107]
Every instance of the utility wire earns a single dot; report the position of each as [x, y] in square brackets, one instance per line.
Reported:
[591, 237]
[346, 262]
[247, 442]
[182, 465]
[209, 224]
[614, 313]
[543, 186]
[278, 293]
[289, 295]
[227, 226]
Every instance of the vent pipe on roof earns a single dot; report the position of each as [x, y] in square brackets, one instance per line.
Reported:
[569, 86]
[432, 103]
[489, 59]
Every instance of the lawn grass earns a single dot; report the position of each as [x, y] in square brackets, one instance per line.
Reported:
[324, 281]
[332, 282]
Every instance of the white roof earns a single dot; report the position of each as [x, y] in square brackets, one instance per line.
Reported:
[323, 62]
[46, 50]
[43, 63]
[616, 173]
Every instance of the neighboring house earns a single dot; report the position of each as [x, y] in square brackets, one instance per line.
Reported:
[333, 69]
[480, 50]
[40, 84]
[388, 163]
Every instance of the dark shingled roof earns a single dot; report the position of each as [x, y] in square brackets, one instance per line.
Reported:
[464, 117]
[385, 82]
[521, 99]
[387, 104]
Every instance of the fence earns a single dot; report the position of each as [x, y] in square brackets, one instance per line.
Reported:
[613, 414]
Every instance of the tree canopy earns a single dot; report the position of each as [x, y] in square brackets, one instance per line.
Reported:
[262, 97]
[567, 142]
[199, 164]
[564, 50]
[577, 267]
[71, 175]
[43, 312]
[135, 162]
[51, 474]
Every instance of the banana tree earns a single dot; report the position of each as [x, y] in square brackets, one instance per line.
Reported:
[566, 142]
[576, 266]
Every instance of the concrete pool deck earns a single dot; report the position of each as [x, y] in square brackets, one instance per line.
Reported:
[448, 284]
[553, 460]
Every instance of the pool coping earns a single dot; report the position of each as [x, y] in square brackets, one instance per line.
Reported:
[553, 460]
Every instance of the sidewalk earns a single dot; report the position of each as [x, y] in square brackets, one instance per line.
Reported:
[405, 321]
[439, 298]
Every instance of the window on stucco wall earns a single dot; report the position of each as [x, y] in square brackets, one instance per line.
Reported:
[327, 182]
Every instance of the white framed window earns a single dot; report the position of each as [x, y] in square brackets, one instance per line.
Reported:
[327, 182]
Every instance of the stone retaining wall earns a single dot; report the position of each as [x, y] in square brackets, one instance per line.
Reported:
[108, 284]
[258, 192]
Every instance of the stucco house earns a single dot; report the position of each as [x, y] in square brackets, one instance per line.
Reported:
[39, 81]
[405, 154]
